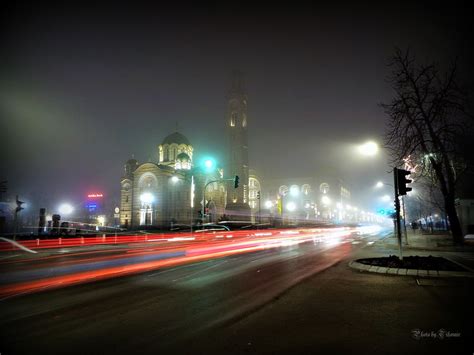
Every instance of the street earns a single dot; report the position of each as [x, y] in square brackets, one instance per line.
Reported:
[300, 298]
[164, 308]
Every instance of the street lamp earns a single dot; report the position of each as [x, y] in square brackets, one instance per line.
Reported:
[65, 209]
[291, 206]
[368, 149]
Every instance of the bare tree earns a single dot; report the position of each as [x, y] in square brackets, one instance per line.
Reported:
[426, 118]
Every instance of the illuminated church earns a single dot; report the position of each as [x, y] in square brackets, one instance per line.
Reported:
[172, 189]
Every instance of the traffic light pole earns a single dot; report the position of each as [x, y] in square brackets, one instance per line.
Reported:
[397, 212]
[404, 221]
[204, 196]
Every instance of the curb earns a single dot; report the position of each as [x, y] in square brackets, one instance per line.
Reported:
[408, 272]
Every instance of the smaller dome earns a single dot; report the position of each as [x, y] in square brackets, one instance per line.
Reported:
[176, 138]
[183, 156]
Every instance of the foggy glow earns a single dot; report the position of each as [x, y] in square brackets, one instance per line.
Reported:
[291, 206]
[146, 197]
[325, 200]
[101, 220]
[268, 204]
[65, 209]
[294, 190]
[369, 148]
[208, 163]
[175, 179]
[379, 184]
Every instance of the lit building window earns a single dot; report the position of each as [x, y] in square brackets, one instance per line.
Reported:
[324, 188]
[233, 119]
[306, 189]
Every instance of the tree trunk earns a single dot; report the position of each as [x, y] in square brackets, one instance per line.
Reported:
[454, 223]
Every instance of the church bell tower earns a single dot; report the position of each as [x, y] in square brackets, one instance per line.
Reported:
[236, 118]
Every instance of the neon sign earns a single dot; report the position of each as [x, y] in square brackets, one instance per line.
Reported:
[95, 195]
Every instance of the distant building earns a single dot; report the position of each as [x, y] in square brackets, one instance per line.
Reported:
[310, 198]
[170, 190]
[238, 160]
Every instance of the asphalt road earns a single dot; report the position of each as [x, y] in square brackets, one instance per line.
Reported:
[160, 311]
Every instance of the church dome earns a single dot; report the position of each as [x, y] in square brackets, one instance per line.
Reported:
[176, 138]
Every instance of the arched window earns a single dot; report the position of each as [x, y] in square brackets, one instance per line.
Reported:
[233, 119]
[283, 190]
[306, 189]
[324, 188]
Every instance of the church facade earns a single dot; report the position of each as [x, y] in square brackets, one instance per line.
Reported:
[173, 190]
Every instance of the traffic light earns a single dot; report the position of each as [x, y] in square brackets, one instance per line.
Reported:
[236, 181]
[3, 186]
[18, 205]
[402, 182]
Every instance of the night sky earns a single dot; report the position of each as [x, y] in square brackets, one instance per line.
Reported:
[84, 88]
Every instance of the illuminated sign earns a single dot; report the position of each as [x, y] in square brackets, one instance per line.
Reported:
[95, 195]
[91, 207]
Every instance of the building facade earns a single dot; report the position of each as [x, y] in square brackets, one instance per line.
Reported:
[238, 159]
[172, 190]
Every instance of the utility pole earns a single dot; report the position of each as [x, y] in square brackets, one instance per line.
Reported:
[404, 220]
[401, 189]
[259, 213]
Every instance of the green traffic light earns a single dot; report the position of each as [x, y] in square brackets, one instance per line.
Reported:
[208, 163]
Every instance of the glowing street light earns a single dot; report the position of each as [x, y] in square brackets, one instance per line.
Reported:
[268, 204]
[291, 206]
[325, 200]
[65, 209]
[294, 190]
[368, 149]
[379, 184]
[101, 220]
[174, 179]
[386, 198]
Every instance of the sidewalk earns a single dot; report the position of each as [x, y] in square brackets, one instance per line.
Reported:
[437, 245]
[345, 311]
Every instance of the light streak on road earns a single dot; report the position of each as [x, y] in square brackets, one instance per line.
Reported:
[143, 257]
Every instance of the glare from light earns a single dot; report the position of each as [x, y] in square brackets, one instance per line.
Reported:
[294, 190]
[175, 179]
[379, 184]
[386, 198]
[146, 197]
[208, 163]
[268, 204]
[101, 220]
[65, 209]
[291, 206]
[339, 205]
[368, 149]
[325, 200]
